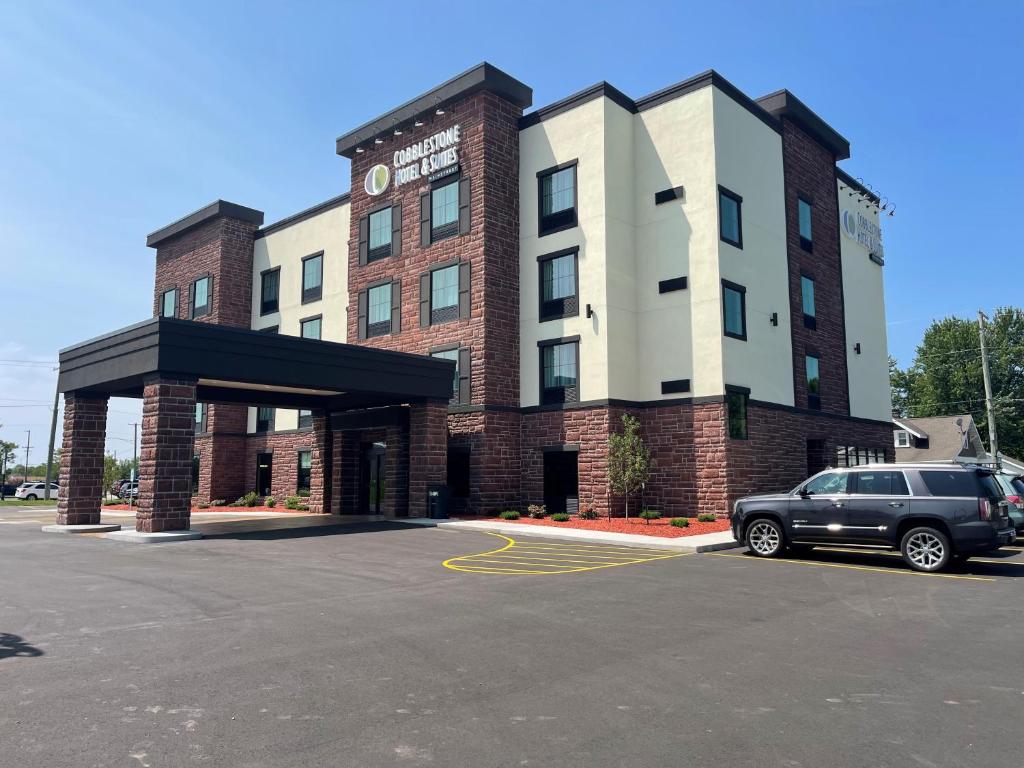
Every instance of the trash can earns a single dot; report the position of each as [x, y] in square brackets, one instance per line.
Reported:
[437, 502]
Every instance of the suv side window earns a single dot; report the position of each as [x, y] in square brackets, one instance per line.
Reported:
[826, 484]
[946, 482]
[879, 484]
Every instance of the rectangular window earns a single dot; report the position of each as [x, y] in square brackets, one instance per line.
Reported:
[201, 303]
[270, 285]
[902, 438]
[807, 297]
[804, 215]
[380, 235]
[453, 355]
[305, 419]
[730, 217]
[950, 483]
[813, 383]
[557, 192]
[734, 310]
[559, 285]
[264, 419]
[310, 327]
[885, 483]
[195, 475]
[737, 406]
[200, 417]
[305, 470]
[444, 294]
[169, 303]
[379, 310]
[444, 211]
[312, 277]
[559, 374]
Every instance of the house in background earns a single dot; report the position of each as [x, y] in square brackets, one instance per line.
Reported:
[945, 438]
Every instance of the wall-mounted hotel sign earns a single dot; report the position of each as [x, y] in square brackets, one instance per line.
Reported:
[432, 158]
[857, 226]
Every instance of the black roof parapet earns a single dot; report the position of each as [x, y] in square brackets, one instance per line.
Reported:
[216, 209]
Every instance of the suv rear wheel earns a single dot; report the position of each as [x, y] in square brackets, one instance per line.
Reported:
[926, 549]
[30, 497]
[764, 538]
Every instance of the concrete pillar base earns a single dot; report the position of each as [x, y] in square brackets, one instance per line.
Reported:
[138, 537]
[80, 528]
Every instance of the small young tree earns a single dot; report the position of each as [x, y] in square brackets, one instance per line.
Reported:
[629, 460]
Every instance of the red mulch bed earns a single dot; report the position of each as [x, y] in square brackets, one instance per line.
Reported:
[660, 528]
[232, 510]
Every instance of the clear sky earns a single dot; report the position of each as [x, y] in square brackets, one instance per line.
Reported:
[117, 118]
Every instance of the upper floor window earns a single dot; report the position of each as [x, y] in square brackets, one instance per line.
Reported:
[736, 405]
[310, 327]
[557, 198]
[804, 217]
[444, 294]
[169, 303]
[201, 300]
[902, 438]
[312, 277]
[730, 217]
[201, 415]
[380, 235]
[807, 298]
[559, 285]
[559, 364]
[460, 380]
[264, 419]
[734, 310]
[379, 314]
[813, 383]
[444, 210]
[270, 286]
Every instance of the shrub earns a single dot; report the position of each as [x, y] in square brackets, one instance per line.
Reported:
[304, 494]
[251, 499]
[561, 517]
[219, 503]
[204, 505]
[650, 514]
[303, 507]
[270, 501]
[509, 514]
[588, 513]
[292, 502]
[679, 522]
[537, 511]
[707, 517]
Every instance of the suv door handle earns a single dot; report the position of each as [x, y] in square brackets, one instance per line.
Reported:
[895, 503]
[838, 504]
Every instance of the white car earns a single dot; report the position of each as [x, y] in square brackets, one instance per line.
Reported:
[33, 491]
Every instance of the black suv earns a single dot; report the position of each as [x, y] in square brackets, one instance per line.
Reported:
[930, 512]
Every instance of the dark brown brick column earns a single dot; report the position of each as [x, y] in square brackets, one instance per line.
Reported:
[165, 462]
[321, 474]
[428, 452]
[81, 460]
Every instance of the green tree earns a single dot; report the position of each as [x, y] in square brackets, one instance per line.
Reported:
[7, 456]
[629, 460]
[902, 383]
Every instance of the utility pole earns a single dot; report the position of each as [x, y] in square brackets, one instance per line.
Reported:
[53, 437]
[135, 463]
[27, 444]
[993, 439]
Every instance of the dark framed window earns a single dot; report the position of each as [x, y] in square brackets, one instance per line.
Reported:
[312, 277]
[264, 419]
[811, 365]
[201, 297]
[734, 310]
[444, 210]
[559, 284]
[305, 470]
[559, 370]
[195, 474]
[556, 192]
[378, 310]
[736, 401]
[169, 303]
[807, 299]
[458, 472]
[310, 327]
[461, 380]
[879, 483]
[730, 217]
[201, 417]
[380, 235]
[804, 209]
[444, 294]
[270, 288]
[305, 419]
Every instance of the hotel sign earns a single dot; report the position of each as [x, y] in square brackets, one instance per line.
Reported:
[859, 227]
[430, 158]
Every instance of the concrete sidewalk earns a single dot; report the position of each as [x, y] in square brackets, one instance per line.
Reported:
[707, 542]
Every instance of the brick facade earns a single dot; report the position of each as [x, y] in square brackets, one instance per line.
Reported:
[80, 475]
[165, 458]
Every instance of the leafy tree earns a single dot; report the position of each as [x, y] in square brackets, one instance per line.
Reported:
[629, 460]
[7, 454]
[902, 383]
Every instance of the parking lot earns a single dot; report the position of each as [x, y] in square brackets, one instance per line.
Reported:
[362, 646]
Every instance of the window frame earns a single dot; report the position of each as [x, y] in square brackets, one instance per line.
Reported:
[728, 285]
[207, 308]
[202, 423]
[264, 309]
[163, 302]
[569, 221]
[269, 422]
[305, 419]
[726, 192]
[810, 321]
[451, 228]
[897, 434]
[568, 306]
[807, 243]
[853, 486]
[813, 398]
[311, 318]
[743, 393]
[378, 253]
[567, 396]
[370, 334]
[300, 470]
[450, 312]
[310, 295]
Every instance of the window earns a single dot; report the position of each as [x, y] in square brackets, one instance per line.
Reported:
[312, 277]
[444, 294]
[886, 483]
[305, 470]
[852, 456]
[264, 419]
[458, 472]
[380, 235]
[813, 382]
[734, 310]
[804, 215]
[195, 475]
[270, 285]
[730, 218]
[736, 402]
[807, 297]
[201, 415]
[557, 193]
[827, 484]
[902, 438]
[310, 327]
[559, 371]
[444, 211]
[559, 285]
[379, 311]
[201, 300]
[453, 355]
[949, 483]
[305, 419]
[169, 303]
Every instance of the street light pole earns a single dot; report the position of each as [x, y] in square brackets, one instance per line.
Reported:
[27, 444]
[53, 437]
[135, 462]
[990, 410]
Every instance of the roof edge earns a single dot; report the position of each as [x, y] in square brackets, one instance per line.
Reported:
[216, 209]
[849, 181]
[782, 103]
[304, 214]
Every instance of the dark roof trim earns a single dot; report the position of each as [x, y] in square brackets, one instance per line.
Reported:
[578, 99]
[482, 77]
[308, 213]
[783, 103]
[849, 181]
[216, 209]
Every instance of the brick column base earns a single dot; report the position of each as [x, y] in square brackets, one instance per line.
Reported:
[321, 474]
[428, 452]
[81, 460]
[165, 462]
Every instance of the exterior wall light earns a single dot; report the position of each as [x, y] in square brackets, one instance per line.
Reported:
[590, 311]
[378, 141]
[360, 150]
[418, 124]
[439, 112]
[856, 347]
[774, 319]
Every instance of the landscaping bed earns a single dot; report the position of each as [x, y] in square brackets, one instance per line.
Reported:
[226, 510]
[661, 528]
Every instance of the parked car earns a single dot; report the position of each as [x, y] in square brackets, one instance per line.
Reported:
[1013, 487]
[931, 513]
[129, 489]
[117, 485]
[33, 491]
[8, 490]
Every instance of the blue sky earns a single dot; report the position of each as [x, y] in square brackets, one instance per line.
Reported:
[116, 118]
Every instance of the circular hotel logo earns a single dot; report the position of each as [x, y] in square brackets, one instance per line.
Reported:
[377, 180]
[850, 223]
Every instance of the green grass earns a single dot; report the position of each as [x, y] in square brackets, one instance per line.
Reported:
[11, 502]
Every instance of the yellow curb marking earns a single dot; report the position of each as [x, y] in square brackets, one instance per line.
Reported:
[752, 558]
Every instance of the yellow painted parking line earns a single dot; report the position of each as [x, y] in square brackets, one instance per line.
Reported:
[790, 561]
[989, 560]
[538, 559]
[603, 547]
